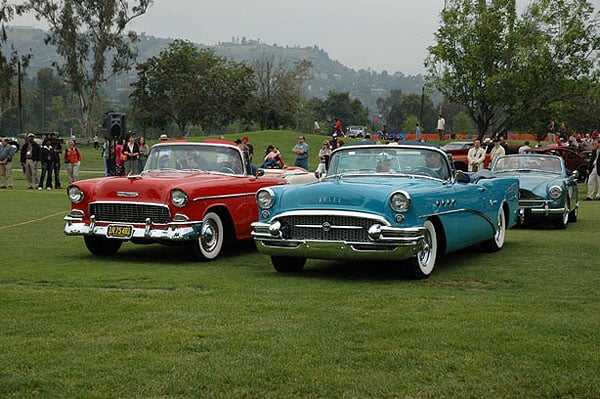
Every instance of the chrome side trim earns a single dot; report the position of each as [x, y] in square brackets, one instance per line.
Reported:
[482, 215]
[223, 196]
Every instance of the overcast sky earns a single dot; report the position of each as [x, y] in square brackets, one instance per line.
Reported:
[381, 34]
[391, 35]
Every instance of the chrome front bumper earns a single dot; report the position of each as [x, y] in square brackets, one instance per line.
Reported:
[170, 232]
[541, 208]
[390, 243]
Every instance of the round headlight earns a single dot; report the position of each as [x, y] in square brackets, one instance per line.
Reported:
[265, 198]
[179, 198]
[400, 201]
[75, 194]
[555, 192]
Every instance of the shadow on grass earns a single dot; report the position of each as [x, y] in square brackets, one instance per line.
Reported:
[171, 253]
[446, 265]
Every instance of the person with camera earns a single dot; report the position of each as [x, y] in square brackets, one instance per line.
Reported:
[7, 152]
[31, 154]
[73, 161]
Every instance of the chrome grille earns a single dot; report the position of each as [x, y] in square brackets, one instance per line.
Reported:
[326, 228]
[528, 195]
[130, 212]
[527, 199]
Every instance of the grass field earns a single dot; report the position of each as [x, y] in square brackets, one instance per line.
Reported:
[152, 322]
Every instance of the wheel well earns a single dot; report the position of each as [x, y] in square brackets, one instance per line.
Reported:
[506, 211]
[228, 226]
[441, 234]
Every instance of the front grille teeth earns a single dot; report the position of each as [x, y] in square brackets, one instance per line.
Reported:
[326, 228]
[130, 212]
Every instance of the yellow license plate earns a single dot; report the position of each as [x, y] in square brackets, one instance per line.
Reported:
[119, 231]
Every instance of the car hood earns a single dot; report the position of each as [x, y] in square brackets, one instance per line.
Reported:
[156, 186]
[356, 193]
[537, 183]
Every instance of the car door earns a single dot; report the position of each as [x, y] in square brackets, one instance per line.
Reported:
[470, 216]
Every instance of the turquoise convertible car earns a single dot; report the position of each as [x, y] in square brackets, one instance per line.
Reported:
[384, 202]
[548, 191]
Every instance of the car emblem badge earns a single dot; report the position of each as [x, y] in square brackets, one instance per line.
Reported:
[326, 227]
[127, 194]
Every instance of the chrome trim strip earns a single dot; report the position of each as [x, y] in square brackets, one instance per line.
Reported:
[363, 215]
[127, 203]
[224, 196]
[464, 210]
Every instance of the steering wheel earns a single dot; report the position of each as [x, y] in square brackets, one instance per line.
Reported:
[227, 167]
[422, 170]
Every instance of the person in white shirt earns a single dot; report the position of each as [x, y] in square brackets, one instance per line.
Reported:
[476, 157]
[497, 151]
[525, 147]
[441, 126]
[324, 155]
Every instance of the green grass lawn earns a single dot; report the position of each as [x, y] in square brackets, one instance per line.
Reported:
[151, 322]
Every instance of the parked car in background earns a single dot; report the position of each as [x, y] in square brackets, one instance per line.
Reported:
[575, 160]
[356, 132]
[394, 202]
[457, 145]
[198, 194]
[547, 190]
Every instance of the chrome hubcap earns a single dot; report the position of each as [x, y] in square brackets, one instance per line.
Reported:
[208, 236]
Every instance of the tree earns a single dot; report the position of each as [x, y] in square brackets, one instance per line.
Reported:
[189, 86]
[48, 87]
[391, 109]
[557, 66]
[410, 124]
[474, 51]
[504, 69]
[84, 32]
[9, 67]
[463, 124]
[278, 96]
[398, 108]
[340, 105]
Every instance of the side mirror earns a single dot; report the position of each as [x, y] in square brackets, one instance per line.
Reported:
[260, 172]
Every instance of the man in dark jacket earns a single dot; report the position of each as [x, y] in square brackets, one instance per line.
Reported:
[58, 155]
[31, 154]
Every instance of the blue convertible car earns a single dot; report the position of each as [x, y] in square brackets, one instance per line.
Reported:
[547, 190]
[384, 202]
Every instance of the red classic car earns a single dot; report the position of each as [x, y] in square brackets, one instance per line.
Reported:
[575, 160]
[200, 194]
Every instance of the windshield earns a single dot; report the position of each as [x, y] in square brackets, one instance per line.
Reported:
[542, 163]
[195, 157]
[390, 161]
